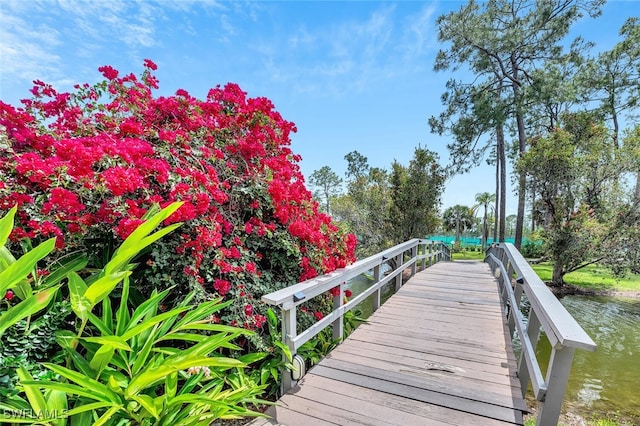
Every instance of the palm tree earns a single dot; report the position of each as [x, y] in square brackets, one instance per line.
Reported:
[484, 199]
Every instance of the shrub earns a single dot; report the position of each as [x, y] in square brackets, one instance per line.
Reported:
[85, 166]
[136, 364]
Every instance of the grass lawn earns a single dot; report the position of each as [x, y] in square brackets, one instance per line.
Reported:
[592, 277]
[468, 255]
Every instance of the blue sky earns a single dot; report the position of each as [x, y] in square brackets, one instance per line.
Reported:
[351, 75]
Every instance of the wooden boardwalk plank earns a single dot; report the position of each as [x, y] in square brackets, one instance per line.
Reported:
[436, 353]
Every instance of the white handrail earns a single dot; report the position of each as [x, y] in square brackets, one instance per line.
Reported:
[287, 299]
[546, 312]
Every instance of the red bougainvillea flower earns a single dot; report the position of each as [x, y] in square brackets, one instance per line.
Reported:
[86, 166]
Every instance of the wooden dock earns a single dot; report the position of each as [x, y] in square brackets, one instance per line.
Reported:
[438, 352]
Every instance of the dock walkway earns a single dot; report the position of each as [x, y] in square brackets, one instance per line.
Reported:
[438, 352]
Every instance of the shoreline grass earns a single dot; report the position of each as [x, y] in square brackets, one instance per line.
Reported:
[592, 277]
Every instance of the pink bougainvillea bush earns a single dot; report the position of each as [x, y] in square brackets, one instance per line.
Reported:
[85, 166]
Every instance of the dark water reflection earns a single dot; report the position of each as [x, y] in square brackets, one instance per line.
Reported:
[605, 383]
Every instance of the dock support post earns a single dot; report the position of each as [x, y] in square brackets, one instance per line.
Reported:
[399, 266]
[533, 331]
[338, 324]
[414, 255]
[557, 378]
[376, 295]
[289, 333]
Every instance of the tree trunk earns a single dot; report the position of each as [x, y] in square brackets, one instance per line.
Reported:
[485, 231]
[497, 219]
[503, 183]
[533, 206]
[522, 146]
[637, 192]
[558, 274]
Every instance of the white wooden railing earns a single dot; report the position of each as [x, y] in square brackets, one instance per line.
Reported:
[546, 313]
[400, 257]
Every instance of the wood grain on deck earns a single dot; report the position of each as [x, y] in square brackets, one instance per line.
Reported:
[436, 353]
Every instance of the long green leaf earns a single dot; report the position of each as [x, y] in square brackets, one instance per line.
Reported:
[35, 397]
[22, 267]
[215, 327]
[23, 288]
[74, 264]
[68, 388]
[147, 403]
[143, 355]
[6, 225]
[104, 286]
[101, 326]
[142, 380]
[116, 341]
[79, 304]
[203, 310]
[88, 407]
[101, 358]
[6, 258]
[139, 239]
[171, 384]
[187, 337]
[134, 331]
[97, 388]
[30, 306]
[122, 314]
[135, 238]
[57, 402]
[107, 313]
[148, 307]
[107, 415]
[253, 357]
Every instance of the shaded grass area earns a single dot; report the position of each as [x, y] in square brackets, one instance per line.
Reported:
[592, 277]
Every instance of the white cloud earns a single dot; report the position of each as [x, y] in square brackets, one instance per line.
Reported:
[25, 51]
[420, 33]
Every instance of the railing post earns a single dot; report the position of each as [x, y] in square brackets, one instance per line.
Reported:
[338, 324]
[533, 331]
[289, 333]
[557, 378]
[424, 254]
[376, 294]
[431, 245]
[399, 262]
[414, 255]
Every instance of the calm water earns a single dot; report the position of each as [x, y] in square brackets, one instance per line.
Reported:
[360, 284]
[605, 383]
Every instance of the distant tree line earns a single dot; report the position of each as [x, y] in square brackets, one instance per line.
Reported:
[383, 207]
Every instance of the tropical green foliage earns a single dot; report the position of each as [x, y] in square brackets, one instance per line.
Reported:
[386, 207]
[364, 208]
[18, 277]
[578, 170]
[327, 184]
[458, 218]
[484, 200]
[503, 43]
[140, 364]
[415, 196]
